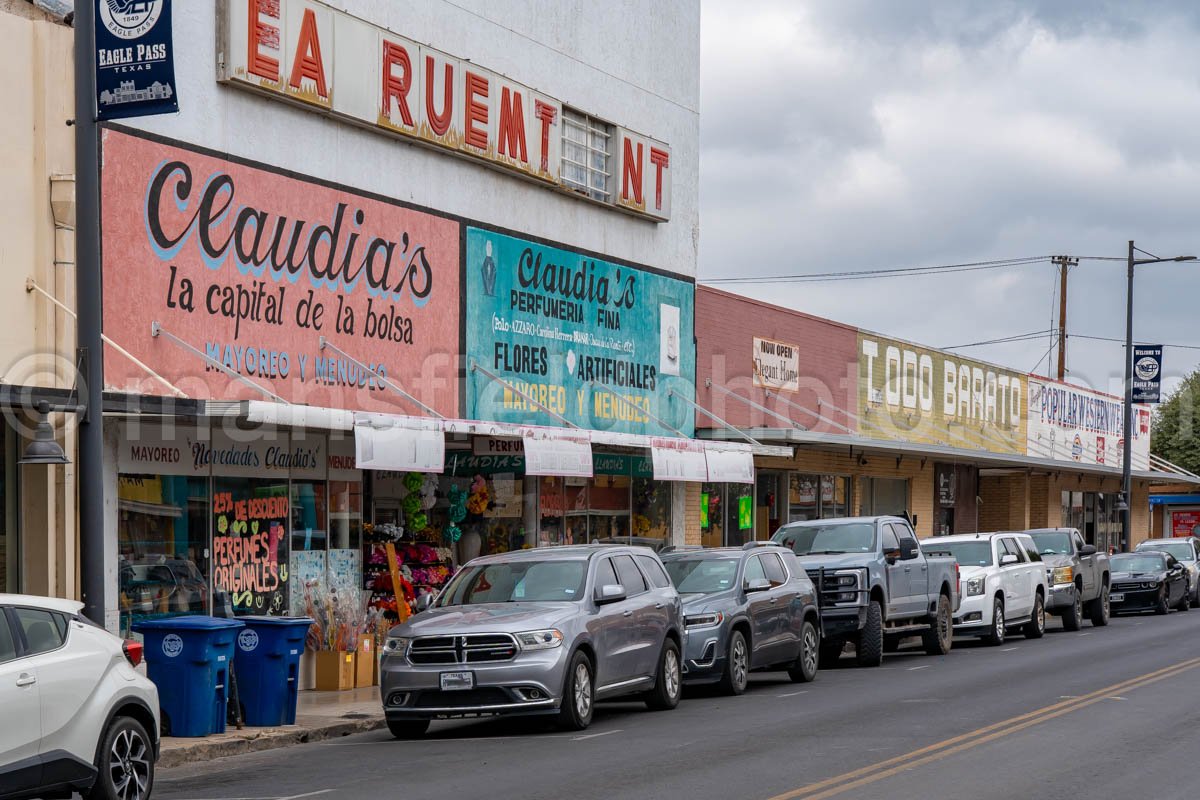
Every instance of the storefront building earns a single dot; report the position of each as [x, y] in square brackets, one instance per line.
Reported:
[420, 308]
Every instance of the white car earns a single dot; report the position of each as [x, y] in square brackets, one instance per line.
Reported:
[1003, 583]
[77, 716]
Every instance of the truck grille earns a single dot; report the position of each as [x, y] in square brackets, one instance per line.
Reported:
[476, 648]
[829, 593]
[467, 698]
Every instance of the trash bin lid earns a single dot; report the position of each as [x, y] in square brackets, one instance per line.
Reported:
[189, 622]
[264, 620]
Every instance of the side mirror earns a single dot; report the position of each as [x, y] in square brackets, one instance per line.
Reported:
[1007, 558]
[908, 550]
[425, 602]
[756, 585]
[1087, 550]
[892, 555]
[609, 593]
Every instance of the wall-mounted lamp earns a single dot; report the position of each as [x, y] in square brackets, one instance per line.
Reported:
[44, 449]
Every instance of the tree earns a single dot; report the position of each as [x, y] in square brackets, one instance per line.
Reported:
[1176, 431]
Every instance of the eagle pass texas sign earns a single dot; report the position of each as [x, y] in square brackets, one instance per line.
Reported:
[253, 268]
[571, 331]
[323, 58]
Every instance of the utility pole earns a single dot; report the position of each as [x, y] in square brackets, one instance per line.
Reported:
[1064, 265]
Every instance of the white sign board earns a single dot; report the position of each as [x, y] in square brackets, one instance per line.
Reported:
[405, 449]
[776, 365]
[1071, 423]
[729, 465]
[562, 456]
[678, 460]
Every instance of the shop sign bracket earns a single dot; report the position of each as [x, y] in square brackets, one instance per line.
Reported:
[493, 376]
[629, 404]
[324, 343]
[157, 330]
[716, 419]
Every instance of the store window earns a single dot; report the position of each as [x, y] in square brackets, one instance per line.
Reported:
[727, 514]
[818, 497]
[769, 503]
[1095, 515]
[162, 542]
[250, 546]
[651, 510]
[885, 496]
[587, 155]
[9, 555]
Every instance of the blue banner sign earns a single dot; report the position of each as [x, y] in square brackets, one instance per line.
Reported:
[601, 344]
[1147, 373]
[135, 59]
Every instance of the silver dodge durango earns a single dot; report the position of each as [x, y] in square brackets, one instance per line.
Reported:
[547, 631]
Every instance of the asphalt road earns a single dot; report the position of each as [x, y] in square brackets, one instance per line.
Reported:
[1103, 713]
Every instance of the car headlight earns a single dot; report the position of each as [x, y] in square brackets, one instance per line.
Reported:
[846, 579]
[976, 586]
[546, 639]
[710, 620]
[1062, 574]
[395, 645]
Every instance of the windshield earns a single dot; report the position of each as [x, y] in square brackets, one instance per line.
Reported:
[833, 538]
[1052, 544]
[1181, 550]
[967, 554]
[1138, 562]
[517, 582]
[702, 575]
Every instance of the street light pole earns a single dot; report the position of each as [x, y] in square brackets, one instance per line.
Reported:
[1127, 450]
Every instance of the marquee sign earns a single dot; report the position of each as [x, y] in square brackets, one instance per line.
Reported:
[329, 61]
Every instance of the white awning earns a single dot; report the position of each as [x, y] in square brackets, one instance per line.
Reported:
[678, 460]
[404, 448]
[567, 456]
[729, 464]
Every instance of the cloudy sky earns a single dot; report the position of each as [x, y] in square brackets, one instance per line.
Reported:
[843, 135]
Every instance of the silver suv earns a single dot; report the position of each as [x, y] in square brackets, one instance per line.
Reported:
[547, 631]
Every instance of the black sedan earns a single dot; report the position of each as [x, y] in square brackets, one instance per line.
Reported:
[1148, 581]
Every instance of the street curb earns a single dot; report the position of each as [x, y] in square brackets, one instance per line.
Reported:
[263, 739]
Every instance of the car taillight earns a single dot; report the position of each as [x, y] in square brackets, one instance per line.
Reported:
[133, 651]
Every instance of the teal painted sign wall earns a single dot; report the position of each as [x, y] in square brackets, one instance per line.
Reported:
[555, 324]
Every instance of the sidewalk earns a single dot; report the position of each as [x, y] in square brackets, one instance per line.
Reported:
[319, 715]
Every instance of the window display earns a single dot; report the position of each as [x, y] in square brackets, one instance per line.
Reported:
[250, 545]
[817, 497]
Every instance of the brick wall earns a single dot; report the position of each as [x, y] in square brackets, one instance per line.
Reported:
[691, 533]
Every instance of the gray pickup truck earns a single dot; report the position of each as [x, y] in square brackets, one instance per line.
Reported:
[1077, 576]
[875, 585]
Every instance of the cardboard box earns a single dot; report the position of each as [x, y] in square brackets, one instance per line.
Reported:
[365, 669]
[335, 671]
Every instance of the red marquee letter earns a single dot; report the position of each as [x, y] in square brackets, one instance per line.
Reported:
[661, 160]
[396, 87]
[546, 113]
[511, 133]
[439, 123]
[477, 112]
[259, 33]
[308, 56]
[632, 171]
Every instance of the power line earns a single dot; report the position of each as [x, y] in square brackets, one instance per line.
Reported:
[940, 269]
[1019, 337]
[1045, 355]
[1122, 342]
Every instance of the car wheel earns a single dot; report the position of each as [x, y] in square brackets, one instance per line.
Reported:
[1160, 607]
[665, 694]
[940, 636]
[868, 651]
[579, 695]
[737, 665]
[1185, 602]
[408, 728]
[125, 764]
[1072, 617]
[1101, 610]
[998, 632]
[831, 653]
[1036, 627]
[805, 668]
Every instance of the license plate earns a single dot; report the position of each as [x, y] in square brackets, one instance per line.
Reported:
[1116, 597]
[454, 681]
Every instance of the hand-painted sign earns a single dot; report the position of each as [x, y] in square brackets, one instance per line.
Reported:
[135, 59]
[253, 268]
[569, 331]
[327, 60]
[917, 394]
[250, 546]
[1147, 373]
[1070, 423]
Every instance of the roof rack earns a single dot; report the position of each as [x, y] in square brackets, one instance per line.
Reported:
[754, 544]
[681, 548]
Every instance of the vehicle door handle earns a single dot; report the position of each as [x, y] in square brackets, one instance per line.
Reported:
[908, 569]
[626, 613]
[660, 605]
[774, 600]
[25, 679]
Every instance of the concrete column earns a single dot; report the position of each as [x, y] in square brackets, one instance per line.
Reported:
[679, 506]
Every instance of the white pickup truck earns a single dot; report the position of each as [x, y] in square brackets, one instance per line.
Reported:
[1003, 584]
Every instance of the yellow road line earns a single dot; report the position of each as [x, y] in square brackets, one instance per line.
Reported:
[877, 771]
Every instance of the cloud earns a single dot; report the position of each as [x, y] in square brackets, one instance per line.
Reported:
[851, 135]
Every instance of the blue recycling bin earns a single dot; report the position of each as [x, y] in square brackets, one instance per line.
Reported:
[267, 661]
[188, 658]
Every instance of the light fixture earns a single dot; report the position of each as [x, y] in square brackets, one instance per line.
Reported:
[1121, 505]
[43, 449]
